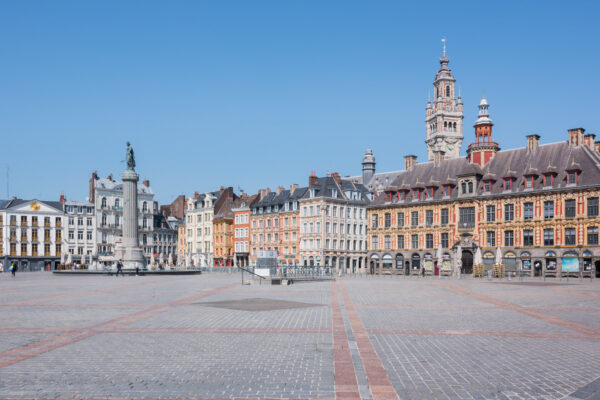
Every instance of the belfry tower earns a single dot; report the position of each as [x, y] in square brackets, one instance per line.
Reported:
[444, 117]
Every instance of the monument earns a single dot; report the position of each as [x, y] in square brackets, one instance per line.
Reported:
[133, 256]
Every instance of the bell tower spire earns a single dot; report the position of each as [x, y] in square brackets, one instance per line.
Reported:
[444, 117]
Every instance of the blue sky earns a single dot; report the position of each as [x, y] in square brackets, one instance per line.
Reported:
[253, 94]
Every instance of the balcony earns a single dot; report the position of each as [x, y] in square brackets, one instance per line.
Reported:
[466, 226]
[117, 208]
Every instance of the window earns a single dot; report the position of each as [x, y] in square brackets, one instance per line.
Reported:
[388, 220]
[509, 212]
[490, 238]
[528, 211]
[444, 216]
[79, 235]
[414, 218]
[570, 208]
[487, 186]
[592, 235]
[374, 242]
[447, 190]
[429, 193]
[429, 241]
[527, 237]
[507, 184]
[416, 194]
[414, 241]
[400, 219]
[548, 179]
[448, 91]
[444, 239]
[571, 177]
[103, 203]
[464, 187]
[528, 180]
[570, 236]
[429, 217]
[592, 207]
[548, 209]
[467, 217]
[490, 213]
[374, 221]
[388, 242]
[71, 235]
[509, 238]
[470, 184]
[400, 241]
[548, 237]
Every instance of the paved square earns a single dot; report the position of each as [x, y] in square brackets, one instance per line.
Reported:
[203, 337]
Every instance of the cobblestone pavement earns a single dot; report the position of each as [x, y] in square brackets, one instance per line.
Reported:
[206, 336]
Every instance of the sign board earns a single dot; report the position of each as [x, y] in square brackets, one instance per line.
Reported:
[570, 264]
[264, 272]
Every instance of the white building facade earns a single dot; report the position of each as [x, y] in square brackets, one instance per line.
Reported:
[79, 230]
[199, 213]
[31, 234]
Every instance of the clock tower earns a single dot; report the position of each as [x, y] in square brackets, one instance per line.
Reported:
[444, 116]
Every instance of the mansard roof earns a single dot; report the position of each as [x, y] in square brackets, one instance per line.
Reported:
[328, 187]
[274, 198]
[514, 163]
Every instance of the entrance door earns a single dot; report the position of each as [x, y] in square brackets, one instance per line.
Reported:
[407, 268]
[537, 268]
[467, 262]
[436, 269]
[372, 268]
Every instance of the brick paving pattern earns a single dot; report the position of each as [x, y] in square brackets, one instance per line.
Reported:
[206, 336]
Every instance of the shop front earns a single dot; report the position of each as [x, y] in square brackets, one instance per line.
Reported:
[551, 264]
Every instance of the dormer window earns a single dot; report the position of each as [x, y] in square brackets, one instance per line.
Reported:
[312, 193]
[548, 179]
[571, 177]
[416, 194]
[334, 193]
[447, 190]
[429, 192]
[507, 184]
[487, 186]
[402, 195]
[528, 180]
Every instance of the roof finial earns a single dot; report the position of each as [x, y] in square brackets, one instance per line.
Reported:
[444, 46]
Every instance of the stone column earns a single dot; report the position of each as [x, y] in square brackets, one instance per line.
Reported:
[134, 256]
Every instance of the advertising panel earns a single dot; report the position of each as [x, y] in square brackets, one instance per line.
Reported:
[570, 264]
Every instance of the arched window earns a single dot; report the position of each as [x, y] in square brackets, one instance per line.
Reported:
[117, 220]
[470, 187]
[103, 219]
[455, 127]
[117, 202]
[445, 124]
[464, 187]
[448, 91]
[144, 206]
[103, 204]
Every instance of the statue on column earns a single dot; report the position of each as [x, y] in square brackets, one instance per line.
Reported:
[130, 158]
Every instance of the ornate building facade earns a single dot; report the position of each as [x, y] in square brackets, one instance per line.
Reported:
[536, 207]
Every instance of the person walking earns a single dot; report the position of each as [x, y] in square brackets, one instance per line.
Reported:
[120, 268]
[13, 269]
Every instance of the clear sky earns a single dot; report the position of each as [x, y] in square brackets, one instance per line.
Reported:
[261, 93]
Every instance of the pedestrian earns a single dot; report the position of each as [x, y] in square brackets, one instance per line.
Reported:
[13, 269]
[120, 268]
[423, 271]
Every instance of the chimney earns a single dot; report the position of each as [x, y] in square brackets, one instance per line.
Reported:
[196, 195]
[221, 190]
[293, 188]
[589, 140]
[110, 177]
[438, 156]
[410, 161]
[63, 199]
[597, 146]
[279, 190]
[336, 176]
[146, 182]
[533, 142]
[576, 137]
[312, 179]
[244, 196]
[92, 187]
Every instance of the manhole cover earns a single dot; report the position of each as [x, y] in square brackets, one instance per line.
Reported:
[257, 304]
